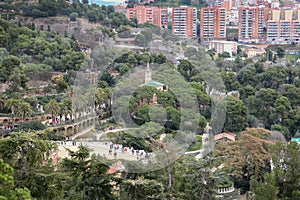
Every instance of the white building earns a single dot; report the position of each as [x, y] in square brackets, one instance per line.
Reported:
[223, 46]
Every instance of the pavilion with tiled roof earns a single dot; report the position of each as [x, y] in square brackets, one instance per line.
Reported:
[152, 83]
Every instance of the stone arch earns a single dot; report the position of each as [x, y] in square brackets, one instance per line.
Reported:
[69, 129]
[5, 122]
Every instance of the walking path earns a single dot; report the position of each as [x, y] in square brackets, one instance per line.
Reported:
[98, 148]
[102, 148]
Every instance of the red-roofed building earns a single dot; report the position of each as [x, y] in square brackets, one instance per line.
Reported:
[225, 137]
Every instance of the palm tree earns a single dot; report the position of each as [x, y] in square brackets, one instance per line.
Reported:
[2, 103]
[100, 97]
[109, 93]
[12, 104]
[52, 108]
[66, 108]
[79, 101]
[24, 110]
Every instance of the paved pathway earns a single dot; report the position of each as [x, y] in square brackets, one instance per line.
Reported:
[99, 148]
[102, 149]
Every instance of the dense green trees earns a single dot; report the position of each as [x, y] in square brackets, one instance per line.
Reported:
[260, 86]
[38, 47]
[286, 162]
[88, 176]
[7, 189]
[236, 115]
[94, 13]
[266, 190]
[283, 181]
[24, 151]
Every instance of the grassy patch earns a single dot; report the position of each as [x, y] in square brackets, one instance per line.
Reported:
[292, 57]
[197, 145]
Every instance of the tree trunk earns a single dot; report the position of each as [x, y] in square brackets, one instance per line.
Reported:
[23, 162]
[12, 117]
[170, 178]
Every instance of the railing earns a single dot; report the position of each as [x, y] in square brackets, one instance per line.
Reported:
[225, 190]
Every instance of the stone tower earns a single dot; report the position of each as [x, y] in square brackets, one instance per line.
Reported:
[148, 74]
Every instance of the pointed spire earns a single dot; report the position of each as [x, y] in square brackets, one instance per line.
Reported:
[148, 77]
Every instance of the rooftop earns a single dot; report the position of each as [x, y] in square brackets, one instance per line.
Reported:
[153, 84]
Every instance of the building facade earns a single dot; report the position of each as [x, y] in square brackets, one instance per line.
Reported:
[284, 26]
[212, 23]
[184, 21]
[252, 24]
[152, 15]
[223, 46]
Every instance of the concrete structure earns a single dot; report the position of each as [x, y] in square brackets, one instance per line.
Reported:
[223, 46]
[212, 23]
[284, 26]
[184, 21]
[252, 21]
[146, 14]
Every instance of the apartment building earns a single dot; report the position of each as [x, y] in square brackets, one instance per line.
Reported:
[252, 24]
[283, 27]
[212, 23]
[152, 15]
[184, 21]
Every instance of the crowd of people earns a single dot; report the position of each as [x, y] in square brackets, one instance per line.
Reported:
[115, 148]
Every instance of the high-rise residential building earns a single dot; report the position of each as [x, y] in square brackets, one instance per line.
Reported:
[252, 20]
[283, 27]
[212, 23]
[184, 21]
[227, 4]
[152, 15]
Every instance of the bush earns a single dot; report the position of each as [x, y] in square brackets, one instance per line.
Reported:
[32, 126]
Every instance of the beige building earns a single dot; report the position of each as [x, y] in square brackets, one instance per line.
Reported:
[284, 26]
[255, 52]
[223, 46]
